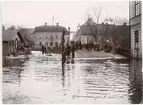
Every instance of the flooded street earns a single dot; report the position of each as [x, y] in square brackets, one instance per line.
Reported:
[41, 79]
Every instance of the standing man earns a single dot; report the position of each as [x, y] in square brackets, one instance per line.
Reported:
[68, 51]
[43, 49]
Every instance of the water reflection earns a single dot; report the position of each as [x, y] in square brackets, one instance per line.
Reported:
[12, 69]
[13, 62]
[42, 79]
[63, 75]
[135, 78]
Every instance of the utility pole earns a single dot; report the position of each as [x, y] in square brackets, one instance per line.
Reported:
[63, 48]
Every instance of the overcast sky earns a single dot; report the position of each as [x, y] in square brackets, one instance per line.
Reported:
[68, 14]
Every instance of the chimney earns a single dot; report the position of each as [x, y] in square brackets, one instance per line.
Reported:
[89, 18]
[69, 30]
[45, 23]
[78, 27]
[57, 24]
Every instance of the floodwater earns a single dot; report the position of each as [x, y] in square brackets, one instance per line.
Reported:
[41, 79]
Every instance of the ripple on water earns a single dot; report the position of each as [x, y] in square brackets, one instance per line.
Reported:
[42, 79]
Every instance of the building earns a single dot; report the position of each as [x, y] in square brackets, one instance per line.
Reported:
[102, 33]
[85, 31]
[12, 41]
[90, 31]
[27, 34]
[49, 35]
[135, 28]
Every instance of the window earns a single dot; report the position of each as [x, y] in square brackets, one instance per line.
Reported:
[40, 37]
[51, 37]
[51, 44]
[56, 44]
[46, 37]
[12, 42]
[137, 8]
[87, 39]
[56, 37]
[137, 36]
[40, 43]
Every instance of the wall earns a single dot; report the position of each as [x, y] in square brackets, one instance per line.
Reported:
[133, 50]
[45, 37]
[5, 49]
[16, 44]
[135, 24]
[85, 38]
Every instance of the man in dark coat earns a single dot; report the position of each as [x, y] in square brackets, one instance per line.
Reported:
[43, 49]
[68, 51]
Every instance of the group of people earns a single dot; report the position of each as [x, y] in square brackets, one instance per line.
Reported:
[68, 50]
[89, 46]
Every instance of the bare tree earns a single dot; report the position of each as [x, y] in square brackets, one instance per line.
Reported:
[97, 30]
[102, 30]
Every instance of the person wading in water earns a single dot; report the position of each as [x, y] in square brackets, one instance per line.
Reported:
[66, 53]
[43, 49]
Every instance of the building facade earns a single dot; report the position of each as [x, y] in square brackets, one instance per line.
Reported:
[49, 35]
[85, 32]
[135, 29]
[102, 33]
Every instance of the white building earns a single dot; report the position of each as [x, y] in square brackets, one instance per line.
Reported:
[135, 28]
[49, 35]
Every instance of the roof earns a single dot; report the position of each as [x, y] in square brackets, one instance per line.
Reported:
[27, 33]
[87, 29]
[90, 27]
[21, 37]
[89, 22]
[7, 35]
[50, 28]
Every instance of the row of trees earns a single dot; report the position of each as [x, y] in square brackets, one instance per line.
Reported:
[4, 27]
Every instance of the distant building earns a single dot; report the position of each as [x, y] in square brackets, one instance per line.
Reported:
[90, 29]
[12, 41]
[49, 35]
[135, 28]
[85, 31]
[101, 33]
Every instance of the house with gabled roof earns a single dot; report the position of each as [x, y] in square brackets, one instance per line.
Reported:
[12, 41]
[90, 31]
[102, 33]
